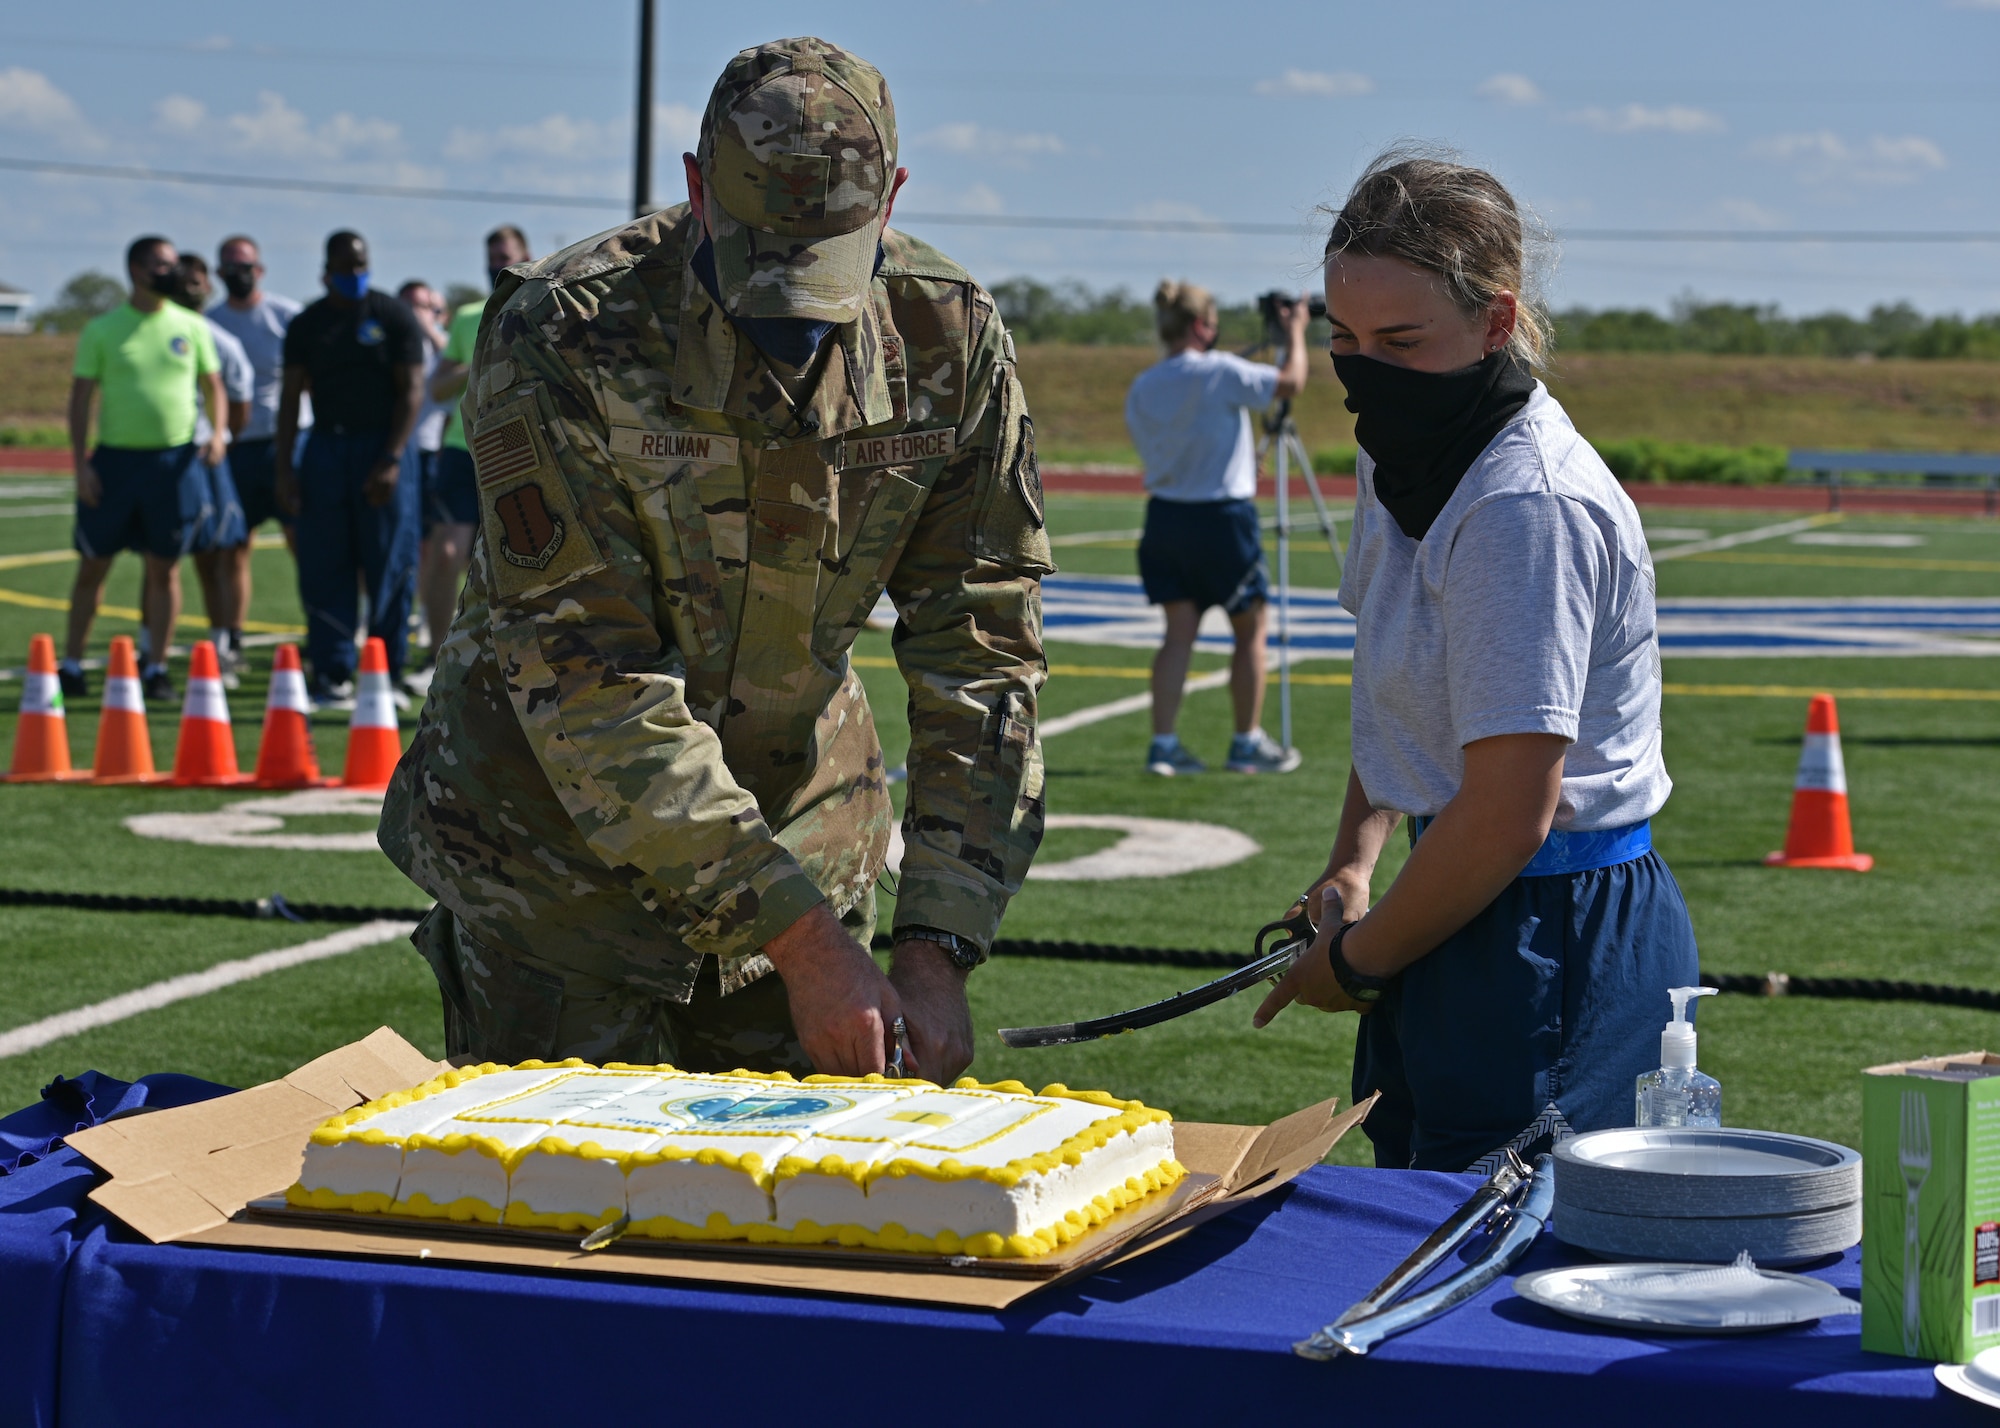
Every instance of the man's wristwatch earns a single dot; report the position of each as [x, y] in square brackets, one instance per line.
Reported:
[965, 954]
[1357, 985]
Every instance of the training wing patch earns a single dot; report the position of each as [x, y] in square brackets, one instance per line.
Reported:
[526, 506]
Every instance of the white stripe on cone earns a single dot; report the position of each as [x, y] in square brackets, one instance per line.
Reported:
[42, 694]
[205, 701]
[1821, 769]
[122, 695]
[374, 707]
[288, 691]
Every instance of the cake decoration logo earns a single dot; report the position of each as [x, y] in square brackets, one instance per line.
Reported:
[758, 1110]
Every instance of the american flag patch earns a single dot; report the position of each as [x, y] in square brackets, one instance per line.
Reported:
[500, 453]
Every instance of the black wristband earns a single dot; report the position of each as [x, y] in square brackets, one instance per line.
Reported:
[1357, 985]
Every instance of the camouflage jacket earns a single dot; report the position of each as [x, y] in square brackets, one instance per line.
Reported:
[644, 741]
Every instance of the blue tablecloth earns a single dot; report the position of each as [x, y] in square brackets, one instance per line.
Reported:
[106, 1329]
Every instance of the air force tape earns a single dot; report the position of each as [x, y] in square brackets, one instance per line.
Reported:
[902, 448]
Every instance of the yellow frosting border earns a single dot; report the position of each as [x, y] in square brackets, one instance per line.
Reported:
[1130, 1116]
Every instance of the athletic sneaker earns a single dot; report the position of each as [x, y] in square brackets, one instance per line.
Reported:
[158, 686]
[1258, 752]
[75, 683]
[229, 664]
[1171, 759]
[330, 693]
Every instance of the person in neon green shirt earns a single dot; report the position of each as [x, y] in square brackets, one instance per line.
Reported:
[451, 504]
[143, 365]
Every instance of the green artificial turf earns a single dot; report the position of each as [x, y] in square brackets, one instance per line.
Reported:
[1924, 773]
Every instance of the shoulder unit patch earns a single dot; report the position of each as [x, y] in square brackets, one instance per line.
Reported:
[527, 508]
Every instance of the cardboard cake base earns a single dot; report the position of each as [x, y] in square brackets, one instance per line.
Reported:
[215, 1173]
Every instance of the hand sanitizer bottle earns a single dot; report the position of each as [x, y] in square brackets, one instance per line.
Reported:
[1677, 1094]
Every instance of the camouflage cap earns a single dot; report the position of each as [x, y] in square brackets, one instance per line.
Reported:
[798, 147]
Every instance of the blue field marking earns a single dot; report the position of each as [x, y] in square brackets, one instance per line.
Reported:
[1112, 610]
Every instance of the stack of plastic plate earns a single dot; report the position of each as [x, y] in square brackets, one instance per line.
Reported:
[1707, 1195]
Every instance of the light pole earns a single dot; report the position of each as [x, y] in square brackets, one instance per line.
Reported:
[642, 141]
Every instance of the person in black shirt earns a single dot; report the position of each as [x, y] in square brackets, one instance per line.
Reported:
[361, 355]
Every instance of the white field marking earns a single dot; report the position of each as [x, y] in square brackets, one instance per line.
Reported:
[23, 490]
[1151, 848]
[1092, 537]
[256, 822]
[1884, 540]
[1130, 704]
[196, 984]
[23, 512]
[1654, 533]
[1736, 538]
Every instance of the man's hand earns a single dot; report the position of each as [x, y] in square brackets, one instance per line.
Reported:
[380, 487]
[89, 490]
[934, 1007]
[1311, 982]
[843, 1008]
[214, 450]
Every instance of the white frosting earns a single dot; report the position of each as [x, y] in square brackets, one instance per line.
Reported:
[674, 1150]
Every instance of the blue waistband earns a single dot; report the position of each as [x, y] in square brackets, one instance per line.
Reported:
[1563, 853]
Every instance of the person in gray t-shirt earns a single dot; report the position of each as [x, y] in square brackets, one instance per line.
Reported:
[1506, 699]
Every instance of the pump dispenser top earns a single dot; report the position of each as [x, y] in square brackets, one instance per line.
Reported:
[1677, 1040]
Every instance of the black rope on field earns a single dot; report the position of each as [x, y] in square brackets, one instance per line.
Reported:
[278, 907]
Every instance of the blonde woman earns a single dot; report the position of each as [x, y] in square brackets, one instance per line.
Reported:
[1506, 700]
[1189, 415]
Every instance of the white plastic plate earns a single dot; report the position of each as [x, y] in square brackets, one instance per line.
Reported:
[1685, 1298]
[1978, 1380]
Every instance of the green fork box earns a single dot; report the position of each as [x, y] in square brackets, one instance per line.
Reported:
[1930, 1226]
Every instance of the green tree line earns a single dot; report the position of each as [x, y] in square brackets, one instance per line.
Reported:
[1072, 312]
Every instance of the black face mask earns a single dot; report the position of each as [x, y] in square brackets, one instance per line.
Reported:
[241, 282]
[1425, 429]
[164, 281]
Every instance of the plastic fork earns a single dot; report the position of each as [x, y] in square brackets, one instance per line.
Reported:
[1913, 1157]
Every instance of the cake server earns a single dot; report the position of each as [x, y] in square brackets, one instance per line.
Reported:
[1520, 1226]
[1264, 966]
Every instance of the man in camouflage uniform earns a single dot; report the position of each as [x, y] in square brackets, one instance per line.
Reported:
[646, 776]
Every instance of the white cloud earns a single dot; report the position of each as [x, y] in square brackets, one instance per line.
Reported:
[1750, 214]
[1510, 89]
[1824, 157]
[994, 143]
[980, 199]
[30, 100]
[676, 125]
[180, 114]
[276, 130]
[1341, 84]
[554, 136]
[1642, 118]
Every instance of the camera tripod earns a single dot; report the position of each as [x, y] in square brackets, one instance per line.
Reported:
[1281, 438]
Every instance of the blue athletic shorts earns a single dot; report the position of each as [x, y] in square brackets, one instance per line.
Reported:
[1537, 1015]
[451, 490]
[1210, 552]
[152, 502]
[253, 468]
[222, 520]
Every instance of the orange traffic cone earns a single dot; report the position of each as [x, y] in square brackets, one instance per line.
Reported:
[206, 752]
[373, 745]
[285, 757]
[41, 738]
[124, 743]
[1820, 835]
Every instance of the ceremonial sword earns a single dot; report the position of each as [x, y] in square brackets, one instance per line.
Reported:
[1263, 966]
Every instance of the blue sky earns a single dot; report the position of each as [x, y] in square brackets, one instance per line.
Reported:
[1741, 116]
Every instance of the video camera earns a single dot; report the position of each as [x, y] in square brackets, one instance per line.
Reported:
[1270, 307]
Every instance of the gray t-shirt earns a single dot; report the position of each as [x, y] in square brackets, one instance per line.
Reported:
[1189, 416]
[239, 378]
[1527, 608]
[261, 330]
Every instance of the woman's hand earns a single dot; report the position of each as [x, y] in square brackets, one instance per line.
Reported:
[1311, 981]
